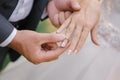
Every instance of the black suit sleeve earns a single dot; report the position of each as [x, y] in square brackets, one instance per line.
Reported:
[6, 28]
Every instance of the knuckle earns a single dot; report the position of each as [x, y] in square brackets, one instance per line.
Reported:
[56, 24]
[35, 60]
[55, 21]
[86, 29]
[89, 24]
[35, 63]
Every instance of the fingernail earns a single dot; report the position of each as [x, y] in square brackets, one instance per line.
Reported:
[75, 52]
[64, 43]
[98, 43]
[77, 5]
[59, 44]
[57, 32]
[69, 52]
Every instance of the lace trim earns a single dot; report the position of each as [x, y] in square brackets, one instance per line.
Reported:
[110, 34]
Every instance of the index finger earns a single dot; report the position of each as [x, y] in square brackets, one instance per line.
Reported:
[64, 26]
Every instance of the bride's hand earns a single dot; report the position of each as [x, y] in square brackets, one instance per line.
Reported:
[80, 23]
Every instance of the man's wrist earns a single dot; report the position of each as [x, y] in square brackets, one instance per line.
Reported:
[9, 39]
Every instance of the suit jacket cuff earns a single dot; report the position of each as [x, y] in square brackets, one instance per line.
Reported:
[7, 31]
[9, 39]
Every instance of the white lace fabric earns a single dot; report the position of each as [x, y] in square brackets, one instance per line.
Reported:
[108, 30]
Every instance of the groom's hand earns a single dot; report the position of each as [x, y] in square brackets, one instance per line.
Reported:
[60, 10]
[37, 47]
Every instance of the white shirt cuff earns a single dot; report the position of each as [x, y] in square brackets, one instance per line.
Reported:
[45, 14]
[9, 39]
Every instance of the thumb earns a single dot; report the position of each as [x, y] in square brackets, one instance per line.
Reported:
[49, 38]
[67, 5]
[73, 5]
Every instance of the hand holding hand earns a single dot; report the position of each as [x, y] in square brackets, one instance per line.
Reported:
[37, 47]
[60, 10]
[80, 23]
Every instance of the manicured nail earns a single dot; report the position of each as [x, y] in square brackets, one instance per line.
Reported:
[76, 5]
[59, 44]
[57, 31]
[69, 52]
[75, 52]
[98, 44]
[64, 43]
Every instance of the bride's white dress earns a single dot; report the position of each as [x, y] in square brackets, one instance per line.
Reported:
[91, 63]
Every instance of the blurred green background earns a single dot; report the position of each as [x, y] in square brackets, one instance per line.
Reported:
[43, 27]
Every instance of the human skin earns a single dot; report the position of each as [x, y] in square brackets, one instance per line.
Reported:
[80, 24]
[40, 47]
[60, 10]
[29, 44]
